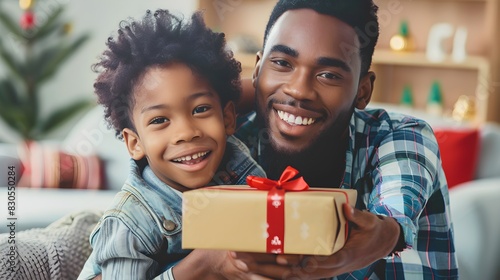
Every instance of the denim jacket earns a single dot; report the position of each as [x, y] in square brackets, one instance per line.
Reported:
[140, 234]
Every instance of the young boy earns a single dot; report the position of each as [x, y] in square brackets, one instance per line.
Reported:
[168, 89]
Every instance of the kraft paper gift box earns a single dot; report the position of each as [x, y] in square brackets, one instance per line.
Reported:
[281, 217]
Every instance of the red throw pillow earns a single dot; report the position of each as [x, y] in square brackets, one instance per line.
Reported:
[46, 166]
[459, 152]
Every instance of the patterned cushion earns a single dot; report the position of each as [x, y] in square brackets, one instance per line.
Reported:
[46, 166]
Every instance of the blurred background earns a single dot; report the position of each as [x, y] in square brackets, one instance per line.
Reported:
[73, 78]
[432, 55]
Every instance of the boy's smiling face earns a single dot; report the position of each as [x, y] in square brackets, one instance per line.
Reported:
[181, 127]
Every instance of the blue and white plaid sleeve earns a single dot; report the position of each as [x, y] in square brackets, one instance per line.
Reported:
[409, 185]
[406, 167]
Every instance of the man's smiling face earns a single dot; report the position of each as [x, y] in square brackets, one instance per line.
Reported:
[307, 79]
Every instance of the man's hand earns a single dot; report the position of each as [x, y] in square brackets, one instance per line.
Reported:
[371, 238]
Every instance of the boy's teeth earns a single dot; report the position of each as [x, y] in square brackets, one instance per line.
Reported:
[190, 157]
[292, 119]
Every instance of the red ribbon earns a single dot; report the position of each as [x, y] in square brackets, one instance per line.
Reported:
[276, 204]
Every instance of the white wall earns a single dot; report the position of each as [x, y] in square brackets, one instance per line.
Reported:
[99, 17]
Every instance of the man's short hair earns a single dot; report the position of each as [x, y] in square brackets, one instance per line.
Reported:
[359, 14]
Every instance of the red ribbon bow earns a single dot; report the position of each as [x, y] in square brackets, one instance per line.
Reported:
[276, 204]
[285, 182]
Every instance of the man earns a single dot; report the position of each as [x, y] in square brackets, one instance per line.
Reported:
[312, 83]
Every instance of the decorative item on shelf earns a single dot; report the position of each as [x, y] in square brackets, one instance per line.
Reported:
[407, 97]
[464, 109]
[402, 41]
[435, 100]
[459, 53]
[438, 33]
[38, 55]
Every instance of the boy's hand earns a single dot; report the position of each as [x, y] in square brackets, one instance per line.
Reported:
[371, 238]
[213, 265]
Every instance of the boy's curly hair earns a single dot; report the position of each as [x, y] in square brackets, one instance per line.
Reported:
[158, 39]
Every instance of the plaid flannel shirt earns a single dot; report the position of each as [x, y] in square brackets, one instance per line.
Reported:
[393, 161]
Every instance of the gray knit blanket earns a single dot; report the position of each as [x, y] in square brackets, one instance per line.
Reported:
[57, 252]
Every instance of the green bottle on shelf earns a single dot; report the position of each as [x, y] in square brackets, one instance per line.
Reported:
[407, 97]
[435, 100]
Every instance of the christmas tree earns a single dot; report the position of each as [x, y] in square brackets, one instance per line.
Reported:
[40, 48]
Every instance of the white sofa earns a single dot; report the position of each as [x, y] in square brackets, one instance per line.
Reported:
[474, 204]
[475, 207]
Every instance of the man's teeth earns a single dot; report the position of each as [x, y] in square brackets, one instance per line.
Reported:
[190, 157]
[292, 119]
